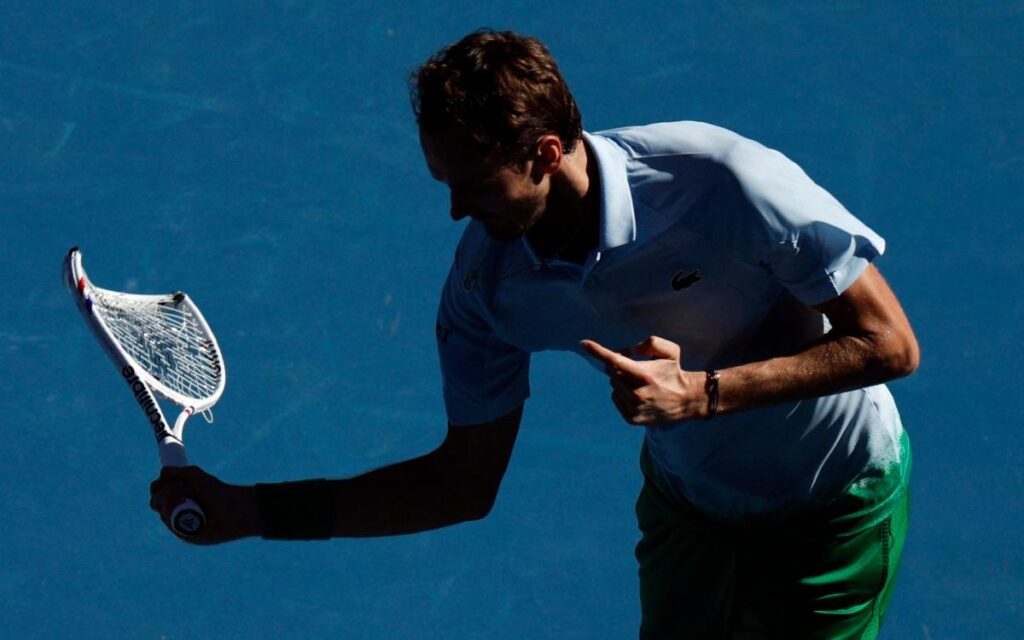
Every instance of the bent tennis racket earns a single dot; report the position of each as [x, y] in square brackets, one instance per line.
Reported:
[161, 344]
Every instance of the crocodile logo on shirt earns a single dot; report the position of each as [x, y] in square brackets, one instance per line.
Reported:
[683, 280]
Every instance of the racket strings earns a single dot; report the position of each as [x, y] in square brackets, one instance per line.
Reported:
[166, 339]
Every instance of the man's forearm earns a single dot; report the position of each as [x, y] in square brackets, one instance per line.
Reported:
[833, 365]
[411, 496]
[871, 342]
[416, 495]
[456, 482]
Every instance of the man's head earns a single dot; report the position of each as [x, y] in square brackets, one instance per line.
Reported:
[502, 89]
[496, 121]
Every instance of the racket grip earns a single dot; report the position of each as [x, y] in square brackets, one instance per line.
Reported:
[188, 519]
[172, 453]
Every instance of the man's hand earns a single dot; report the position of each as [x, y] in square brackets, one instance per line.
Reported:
[230, 510]
[871, 342]
[655, 391]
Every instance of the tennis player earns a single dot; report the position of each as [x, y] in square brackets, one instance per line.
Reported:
[731, 303]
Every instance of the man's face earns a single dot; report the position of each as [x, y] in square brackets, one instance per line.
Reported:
[507, 200]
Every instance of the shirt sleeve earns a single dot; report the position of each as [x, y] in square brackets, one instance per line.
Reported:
[484, 377]
[811, 243]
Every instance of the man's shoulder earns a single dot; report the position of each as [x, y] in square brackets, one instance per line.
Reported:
[684, 138]
[480, 259]
[721, 152]
[476, 245]
[473, 243]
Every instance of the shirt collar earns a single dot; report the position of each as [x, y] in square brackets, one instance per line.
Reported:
[618, 224]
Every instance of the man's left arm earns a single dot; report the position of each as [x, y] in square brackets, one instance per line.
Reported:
[871, 342]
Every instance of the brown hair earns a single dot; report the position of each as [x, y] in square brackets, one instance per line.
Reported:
[501, 88]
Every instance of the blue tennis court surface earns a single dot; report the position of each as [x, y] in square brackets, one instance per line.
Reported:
[262, 157]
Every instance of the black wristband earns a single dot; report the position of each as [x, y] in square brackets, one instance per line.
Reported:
[301, 510]
[711, 387]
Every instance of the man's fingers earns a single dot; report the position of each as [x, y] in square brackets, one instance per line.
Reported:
[169, 490]
[155, 495]
[601, 352]
[655, 347]
[625, 384]
[611, 358]
[623, 407]
[168, 496]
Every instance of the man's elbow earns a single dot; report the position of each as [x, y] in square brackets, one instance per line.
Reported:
[478, 503]
[468, 498]
[478, 511]
[902, 358]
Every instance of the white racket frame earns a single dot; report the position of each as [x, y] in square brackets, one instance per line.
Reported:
[187, 518]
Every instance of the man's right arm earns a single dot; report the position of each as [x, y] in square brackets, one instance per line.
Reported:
[455, 483]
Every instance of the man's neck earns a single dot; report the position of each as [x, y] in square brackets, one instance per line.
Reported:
[569, 228]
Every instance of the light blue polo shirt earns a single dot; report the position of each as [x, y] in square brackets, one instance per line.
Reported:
[715, 242]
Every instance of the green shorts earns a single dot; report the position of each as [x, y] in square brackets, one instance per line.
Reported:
[826, 577]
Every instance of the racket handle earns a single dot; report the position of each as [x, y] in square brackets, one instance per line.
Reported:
[188, 519]
[172, 453]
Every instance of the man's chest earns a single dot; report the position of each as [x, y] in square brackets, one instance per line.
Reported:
[676, 287]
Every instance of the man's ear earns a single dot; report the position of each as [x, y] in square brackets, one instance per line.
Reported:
[547, 158]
